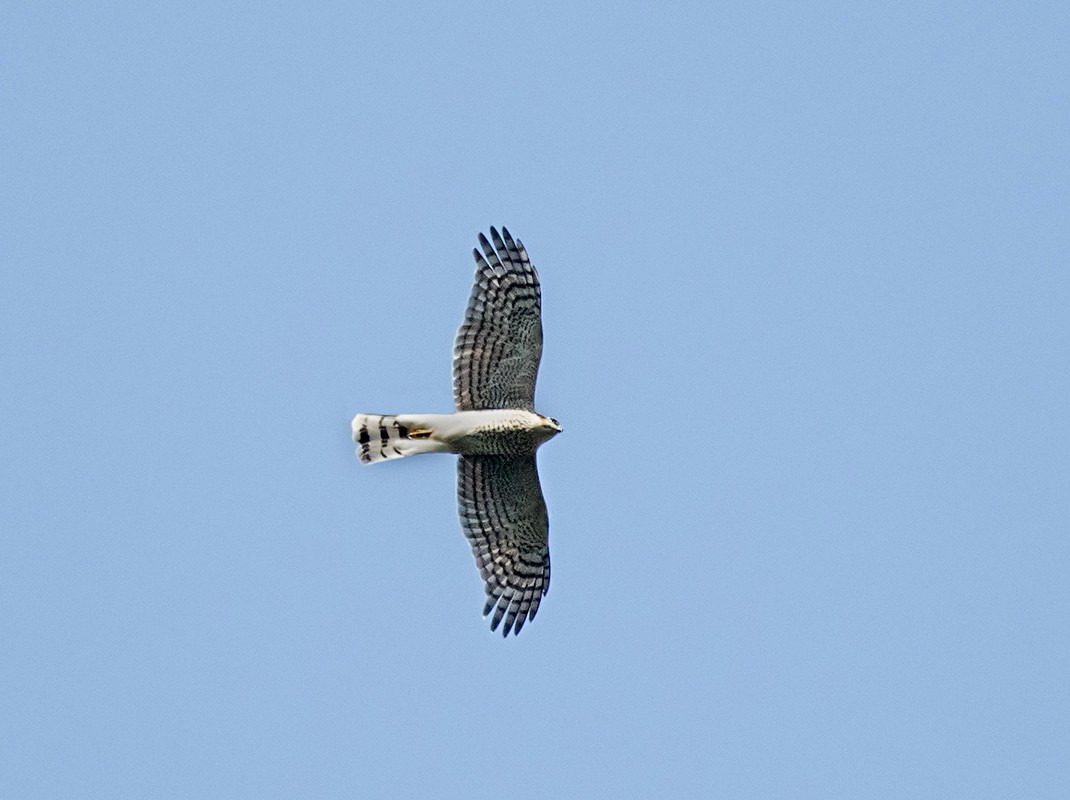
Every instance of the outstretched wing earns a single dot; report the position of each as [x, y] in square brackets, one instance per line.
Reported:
[498, 346]
[504, 517]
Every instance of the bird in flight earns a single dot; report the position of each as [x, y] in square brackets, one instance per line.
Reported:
[495, 430]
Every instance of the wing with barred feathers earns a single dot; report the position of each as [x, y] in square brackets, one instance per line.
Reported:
[504, 517]
[498, 346]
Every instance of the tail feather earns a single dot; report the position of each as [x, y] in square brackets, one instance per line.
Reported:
[381, 437]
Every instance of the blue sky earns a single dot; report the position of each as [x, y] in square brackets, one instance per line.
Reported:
[806, 288]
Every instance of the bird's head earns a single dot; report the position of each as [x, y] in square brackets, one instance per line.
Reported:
[551, 426]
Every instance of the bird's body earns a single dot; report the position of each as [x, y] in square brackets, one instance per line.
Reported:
[489, 432]
[495, 430]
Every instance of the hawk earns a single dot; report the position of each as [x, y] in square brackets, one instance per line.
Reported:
[495, 430]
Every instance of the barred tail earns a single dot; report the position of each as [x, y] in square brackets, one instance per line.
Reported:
[384, 436]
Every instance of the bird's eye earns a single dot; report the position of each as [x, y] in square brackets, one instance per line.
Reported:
[555, 422]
